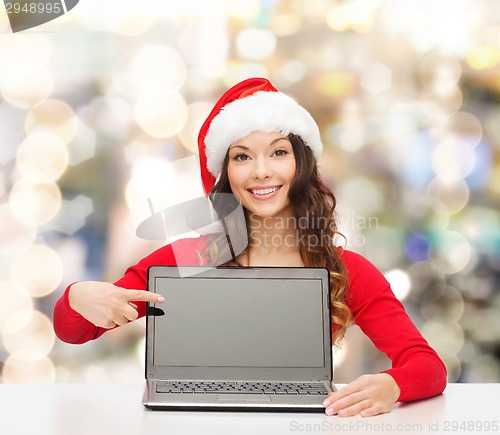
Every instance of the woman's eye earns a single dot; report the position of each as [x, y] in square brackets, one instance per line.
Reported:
[240, 157]
[280, 153]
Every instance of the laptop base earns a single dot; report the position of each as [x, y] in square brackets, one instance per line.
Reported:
[231, 402]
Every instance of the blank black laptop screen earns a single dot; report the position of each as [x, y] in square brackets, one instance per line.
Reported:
[239, 323]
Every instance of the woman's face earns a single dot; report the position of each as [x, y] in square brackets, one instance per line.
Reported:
[261, 169]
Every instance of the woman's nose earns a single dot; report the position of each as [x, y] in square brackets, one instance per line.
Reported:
[262, 169]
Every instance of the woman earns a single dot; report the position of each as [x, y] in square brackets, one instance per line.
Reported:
[261, 146]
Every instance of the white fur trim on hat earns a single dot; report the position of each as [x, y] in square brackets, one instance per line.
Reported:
[261, 111]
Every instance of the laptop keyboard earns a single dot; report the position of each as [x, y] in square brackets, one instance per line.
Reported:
[199, 387]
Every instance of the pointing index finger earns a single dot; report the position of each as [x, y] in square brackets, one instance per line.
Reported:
[143, 296]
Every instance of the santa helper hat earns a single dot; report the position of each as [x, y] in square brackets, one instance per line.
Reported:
[251, 105]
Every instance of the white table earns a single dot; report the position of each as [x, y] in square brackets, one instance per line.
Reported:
[94, 409]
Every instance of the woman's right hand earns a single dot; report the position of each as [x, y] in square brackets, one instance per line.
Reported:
[107, 305]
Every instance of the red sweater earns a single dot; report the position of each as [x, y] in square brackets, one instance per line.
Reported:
[416, 367]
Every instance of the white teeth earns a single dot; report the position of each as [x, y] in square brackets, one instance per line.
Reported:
[264, 191]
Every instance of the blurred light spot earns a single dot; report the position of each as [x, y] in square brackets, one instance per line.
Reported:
[481, 174]
[45, 270]
[427, 215]
[400, 283]
[20, 53]
[483, 57]
[491, 124]
[73, 214]
[453, 194]
[450, 251]
[28, 330]
[335, 85]
[465, 126]
[42, 157]
[28, 88]
[476, 287]
[205, 44]
[244, 9]
[15, 53]
[387, 242]
[14, 235]
[412, 162]
[369, 199]
[350, 132]
[236, 71]
[434, 113]
[356, 16]
[439, 73]
[196, 115]
[55, 116]
[14, 299]
[451, 102]
[12, 121]
[480, 225]
[402, 122]
[109, 116]
[470, 351]
[424, 275]
[157, 180]
[446, 339]
[150, 176]
[453, 159]
[417, 247]
[158, 68]
[292, 71]
[443, 303]
[125, 17]
[494, 185]
[285, 24]
[30, 367]
[487, 329]
[120, 85]
[161, 114]
[255, 44]
[135, 150]
[376, 78]
[83, 146]
[34, 204]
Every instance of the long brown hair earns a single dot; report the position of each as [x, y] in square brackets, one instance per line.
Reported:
[314, 205]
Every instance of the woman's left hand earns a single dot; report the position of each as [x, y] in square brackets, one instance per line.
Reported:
[368, 395]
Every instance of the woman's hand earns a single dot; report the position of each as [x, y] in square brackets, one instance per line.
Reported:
[368, 395]
[107, 305]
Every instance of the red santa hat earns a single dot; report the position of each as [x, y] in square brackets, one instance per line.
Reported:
[251, 105]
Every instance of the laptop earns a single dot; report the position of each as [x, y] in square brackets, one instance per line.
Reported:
[238, 338]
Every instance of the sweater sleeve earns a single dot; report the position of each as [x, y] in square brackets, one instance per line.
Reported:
[416, 367]
[72, 327]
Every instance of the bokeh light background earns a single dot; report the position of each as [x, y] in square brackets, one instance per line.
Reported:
[99, 111]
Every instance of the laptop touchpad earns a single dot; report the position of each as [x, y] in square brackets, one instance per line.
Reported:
[243, 398]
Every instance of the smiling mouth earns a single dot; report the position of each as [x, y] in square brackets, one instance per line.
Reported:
[266, 191]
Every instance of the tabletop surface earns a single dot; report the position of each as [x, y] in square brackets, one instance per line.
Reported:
[95, 409]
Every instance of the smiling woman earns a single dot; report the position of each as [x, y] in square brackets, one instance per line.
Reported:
[261, 168]
[259, 148]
